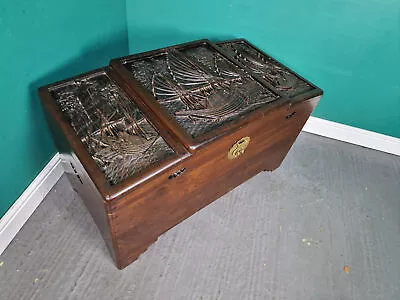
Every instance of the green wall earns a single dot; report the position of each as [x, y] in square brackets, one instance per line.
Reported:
[40, 42]
[350, 48]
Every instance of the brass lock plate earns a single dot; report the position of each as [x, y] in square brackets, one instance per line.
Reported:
[238, 148]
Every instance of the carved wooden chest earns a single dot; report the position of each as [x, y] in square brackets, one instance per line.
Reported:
[154, 137]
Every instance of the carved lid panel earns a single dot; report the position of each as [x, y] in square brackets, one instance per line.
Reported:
[280, 77]
[114, 131]
[198, 86]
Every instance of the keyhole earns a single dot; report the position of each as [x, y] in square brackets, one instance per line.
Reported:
[176, 174]
[290, 115]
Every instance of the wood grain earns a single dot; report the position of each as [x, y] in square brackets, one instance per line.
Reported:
[140, 217]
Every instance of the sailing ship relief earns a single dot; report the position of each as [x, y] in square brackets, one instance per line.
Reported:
[110, 125]
[280, 77]
[199, 87]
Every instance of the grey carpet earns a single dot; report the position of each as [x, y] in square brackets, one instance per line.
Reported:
[281, 235]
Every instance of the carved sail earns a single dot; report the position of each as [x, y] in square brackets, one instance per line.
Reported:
[279, 76]
[199, 87]
[114, 131]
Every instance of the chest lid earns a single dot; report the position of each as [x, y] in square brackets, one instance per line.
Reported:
[109, 131]
[145, 113]
[272, 72]
[196, 89]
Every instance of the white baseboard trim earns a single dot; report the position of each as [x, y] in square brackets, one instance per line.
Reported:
[30, 199]
[26, 204]
[353, 135]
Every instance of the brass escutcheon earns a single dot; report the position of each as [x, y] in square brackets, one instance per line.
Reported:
[239, 147]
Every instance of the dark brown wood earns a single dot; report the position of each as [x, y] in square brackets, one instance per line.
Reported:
[64, 128]
[313, 90]
[141, 216]
[135, 89]
[79, 178]
[133, 213]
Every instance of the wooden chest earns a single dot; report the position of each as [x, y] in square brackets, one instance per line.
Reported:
[154, 137]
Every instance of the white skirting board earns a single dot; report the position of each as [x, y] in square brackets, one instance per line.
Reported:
[30, 199]
[26, 204]
[353, 135]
